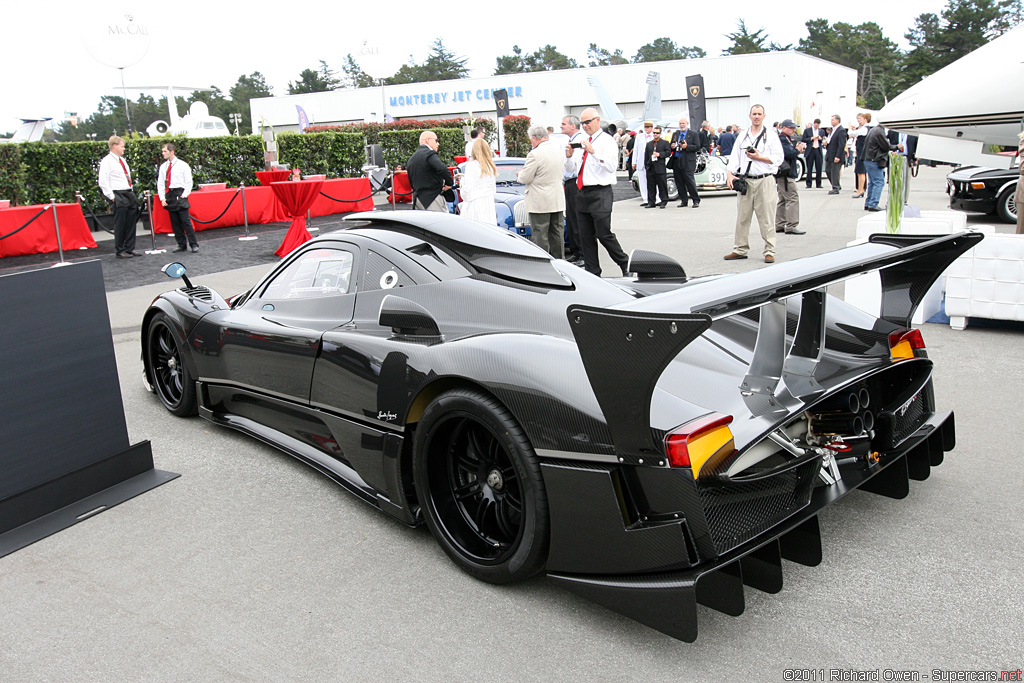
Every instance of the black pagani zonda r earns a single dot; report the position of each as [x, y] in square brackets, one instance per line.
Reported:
[649, 443]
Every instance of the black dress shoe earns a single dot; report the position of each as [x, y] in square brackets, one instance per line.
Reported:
[780, 230]
[696, 205]
[833, 191]
[124, 254]
[131, 252]
[648, 206]
[682, 205]
[871, 208]
[178, 250]
[662, 206]
[195, 248]
[796, 232]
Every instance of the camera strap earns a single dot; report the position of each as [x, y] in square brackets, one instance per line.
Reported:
[756, 140]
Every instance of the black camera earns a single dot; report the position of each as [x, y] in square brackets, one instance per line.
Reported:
[752, 150]
[576, 145]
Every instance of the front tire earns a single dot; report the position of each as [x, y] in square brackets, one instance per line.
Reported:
[1006, 205]
[480, 487]
[168, 372]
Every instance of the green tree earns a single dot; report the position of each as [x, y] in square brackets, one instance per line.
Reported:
[664, 49]
[314, 81]
[247, 88]
[864, 48]
[355, 77]
[510, 64]
[744, 42]
[598, 56]
[964, 26]
[547, 58]
[441, 65]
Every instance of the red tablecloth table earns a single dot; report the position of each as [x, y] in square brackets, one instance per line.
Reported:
[267, 177]
[343, 195]
[40, 237]
[296, 197]
[260, 204]
[401, 188]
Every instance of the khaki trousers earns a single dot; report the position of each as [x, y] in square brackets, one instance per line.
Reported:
[787, 211]
[760, 200]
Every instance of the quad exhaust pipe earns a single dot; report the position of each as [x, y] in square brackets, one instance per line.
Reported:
[846, 414]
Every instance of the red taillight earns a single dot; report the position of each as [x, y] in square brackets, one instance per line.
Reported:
[903, 343]
[691, 444]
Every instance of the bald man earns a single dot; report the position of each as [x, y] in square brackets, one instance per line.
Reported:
[595, 176]
[428, 175]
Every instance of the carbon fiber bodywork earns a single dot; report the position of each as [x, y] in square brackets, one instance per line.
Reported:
[596, 373]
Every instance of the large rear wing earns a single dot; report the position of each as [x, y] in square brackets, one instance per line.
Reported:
[627, 347]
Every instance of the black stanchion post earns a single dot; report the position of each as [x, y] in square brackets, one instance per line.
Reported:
[56, 227]
[309, 222]
[152, 225]
[394, 191]
[245, 216]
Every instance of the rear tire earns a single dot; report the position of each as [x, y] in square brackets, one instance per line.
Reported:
[1006, 205]
[480, 487]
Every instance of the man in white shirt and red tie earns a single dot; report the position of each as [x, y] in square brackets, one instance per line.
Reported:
[174, 184]
[115, 180]
[594, 179]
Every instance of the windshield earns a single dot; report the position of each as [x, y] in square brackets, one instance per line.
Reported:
[507, 174]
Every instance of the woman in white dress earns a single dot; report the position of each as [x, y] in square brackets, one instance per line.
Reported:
[478, 185]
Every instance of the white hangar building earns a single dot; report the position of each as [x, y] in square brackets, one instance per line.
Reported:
[788, 84]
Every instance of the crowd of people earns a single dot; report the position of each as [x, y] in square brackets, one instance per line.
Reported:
[569, 176]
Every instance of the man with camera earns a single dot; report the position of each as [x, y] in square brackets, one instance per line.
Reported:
[594, 179]
[685, 145]
[752, 167]
[173, 185]
[787, 211]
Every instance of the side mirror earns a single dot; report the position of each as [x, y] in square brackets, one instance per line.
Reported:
[175, 270]
[650, 265]
[406, 317]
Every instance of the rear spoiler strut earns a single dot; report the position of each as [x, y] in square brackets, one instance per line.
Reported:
[625, 348]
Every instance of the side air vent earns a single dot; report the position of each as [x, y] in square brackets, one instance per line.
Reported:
[199, 292]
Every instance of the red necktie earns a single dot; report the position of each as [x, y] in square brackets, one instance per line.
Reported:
[167, 187]
[125, 169]
[579, 176]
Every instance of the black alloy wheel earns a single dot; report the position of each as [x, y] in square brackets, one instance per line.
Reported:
[480, 487]
[168, 372]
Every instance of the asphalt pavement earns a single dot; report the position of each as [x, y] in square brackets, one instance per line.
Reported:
[253, 567]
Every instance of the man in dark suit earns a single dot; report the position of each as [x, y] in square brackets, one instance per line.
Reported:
[725, 141]
[813, 138]
[428, 175]
[835, 154]
[685, 145]
[655, 155]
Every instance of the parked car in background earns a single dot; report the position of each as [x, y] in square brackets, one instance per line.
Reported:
[710, 174]
[978, 189]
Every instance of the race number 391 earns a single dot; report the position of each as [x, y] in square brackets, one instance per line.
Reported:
[803, 675]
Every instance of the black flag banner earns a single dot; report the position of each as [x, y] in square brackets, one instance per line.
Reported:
[501, 102]
[695, 100]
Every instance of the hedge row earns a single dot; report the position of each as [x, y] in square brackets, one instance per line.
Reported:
[399, 145]
[339, 155]
[372, 131]
[33, 172]
[517, 141]
[12, 174]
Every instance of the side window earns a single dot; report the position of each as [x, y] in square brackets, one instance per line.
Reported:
[383, 274]
[316, 273]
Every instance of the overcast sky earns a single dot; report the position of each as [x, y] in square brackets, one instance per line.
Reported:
[46, 69]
